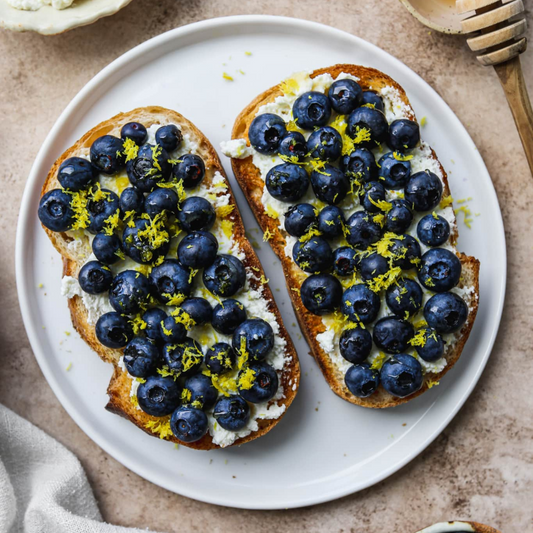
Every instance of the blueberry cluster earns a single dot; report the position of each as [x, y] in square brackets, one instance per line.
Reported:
[154, 306]
[355, 261]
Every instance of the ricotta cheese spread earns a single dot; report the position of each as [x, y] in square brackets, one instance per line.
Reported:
[252, 298]
[422, 159]
[34, 5]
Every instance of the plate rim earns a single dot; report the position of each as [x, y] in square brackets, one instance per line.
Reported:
[24, 292]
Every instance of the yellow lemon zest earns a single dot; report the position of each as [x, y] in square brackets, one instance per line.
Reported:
[246, 379]
[289, 87]
[174, 299]
[378, 361]
[267, 235]
[433, 383]
[243, 354]
[160, 427]
[224, 210]
[137, 324]
[226, 76]
[227, 228]
[271, 212]
[112, 222]
[130, 149]
[446, 201]
[401, 157]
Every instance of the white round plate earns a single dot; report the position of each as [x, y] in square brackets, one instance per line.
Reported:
[324, 448]
[50, 21]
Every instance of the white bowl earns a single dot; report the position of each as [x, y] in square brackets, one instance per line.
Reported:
[50, 21]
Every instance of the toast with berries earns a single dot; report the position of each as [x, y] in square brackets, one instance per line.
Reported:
[276, 160]
[69, 235]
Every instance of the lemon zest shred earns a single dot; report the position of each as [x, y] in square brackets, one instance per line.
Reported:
[160, 427]
[131, 149]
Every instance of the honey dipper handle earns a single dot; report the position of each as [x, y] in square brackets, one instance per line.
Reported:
[512, 80]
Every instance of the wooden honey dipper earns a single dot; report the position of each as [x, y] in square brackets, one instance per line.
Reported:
[496, 31]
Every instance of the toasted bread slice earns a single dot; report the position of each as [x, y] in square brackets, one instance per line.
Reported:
[121, 382]
[252, 184]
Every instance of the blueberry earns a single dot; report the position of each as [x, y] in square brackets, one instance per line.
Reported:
[172, 331]
[199, 309]
[134, 131]
[345, 261]
[188, 424]
[345, 95]
[191, 169]
[373, 192]
[321, 293]
[266, 132]
[139, 243]
[169, 137]
[158, 396]
[170, 279]
[129, 292]
[95, 278]
[314, 255]
[404, 298]
[363, 231]
[256, 336]
[423, 191]
[220, 358]
[131, 199]
[141, 357]
[107, 248]
[404, 134]
[183, 358]
[232, 413]
[330, 184]
[355, 344]
[55, 212]
[107, 154]
[149, 168]
[101, 210]
[287, 182]
[394, 172]
[432, 347]
[446, 312]
[372, 266]
[406, 252]
[361, 380]
[392, 335]
[360, 165]
[113, 330]
[262, 387]
[367, 126]
[76, 174]
[299, 219]
[227, 315]
[325, 144]
[161, 200]
[331, 222]
[311, 110]
[202, 390]
[399, 217]
[225, 276]
[196, 214]
[440, 270]
[198, 249]
[433, 230]
[401, 375]
[153, 318]
[292, 145]
[360, 304]
[372, 99]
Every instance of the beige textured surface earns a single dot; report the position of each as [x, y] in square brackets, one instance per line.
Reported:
[481, 467]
